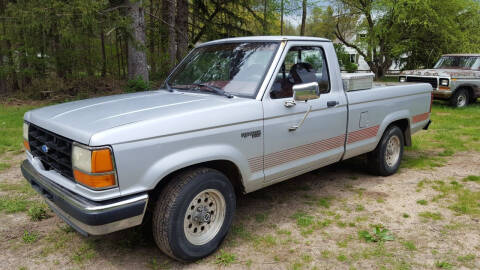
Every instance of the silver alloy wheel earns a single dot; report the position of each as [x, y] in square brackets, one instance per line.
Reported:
[461, 100]
[204, 217]
[392, 153]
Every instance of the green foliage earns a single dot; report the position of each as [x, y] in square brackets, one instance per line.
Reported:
[443, 265]
[303, 219]
[379, 234]
[38, 212]
[409, 245]
[4, 166]
[137, 85]
[471, 178]
[431, 215]
[422, 202]
[29, 237]
[225, 258]
[344, 59]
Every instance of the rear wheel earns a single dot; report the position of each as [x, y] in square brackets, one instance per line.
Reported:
[193, 214]
[387, 156]
[460, 98]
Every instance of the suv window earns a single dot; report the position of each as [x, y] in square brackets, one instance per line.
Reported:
[302, 64]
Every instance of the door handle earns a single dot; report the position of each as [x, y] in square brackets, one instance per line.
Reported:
[332, 103]
[290, 103]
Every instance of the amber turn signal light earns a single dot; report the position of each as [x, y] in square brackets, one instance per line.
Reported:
[95, 181]
[26, 145]
[102, 161]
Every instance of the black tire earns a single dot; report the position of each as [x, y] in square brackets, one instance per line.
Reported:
[377, 159]
[460, 98]
[171, 208]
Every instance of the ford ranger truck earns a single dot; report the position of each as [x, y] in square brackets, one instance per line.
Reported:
[236, 115]
[455, 78]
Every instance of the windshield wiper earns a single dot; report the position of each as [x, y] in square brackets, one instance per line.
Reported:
[213, 89]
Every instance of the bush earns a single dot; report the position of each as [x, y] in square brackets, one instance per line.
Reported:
[137, 85]
[38, 212]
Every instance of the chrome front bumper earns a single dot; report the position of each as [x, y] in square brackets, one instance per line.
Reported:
[86, 216]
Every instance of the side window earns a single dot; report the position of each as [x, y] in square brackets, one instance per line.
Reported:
[302, 64]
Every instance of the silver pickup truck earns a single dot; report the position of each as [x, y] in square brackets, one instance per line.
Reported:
[236, 115]
[455, 77]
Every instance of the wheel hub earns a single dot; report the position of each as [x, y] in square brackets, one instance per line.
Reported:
[392, 153]
[204, 216]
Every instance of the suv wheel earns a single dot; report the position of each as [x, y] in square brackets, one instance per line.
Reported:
[387, 156]
[193, 214]
[460, 98]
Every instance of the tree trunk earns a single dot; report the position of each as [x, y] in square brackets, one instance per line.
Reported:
[265, 3]
[168, 33]
[104, 54]
[151, 44]
[281, 18]
[137, 58]
[304, 17]
[181, 23]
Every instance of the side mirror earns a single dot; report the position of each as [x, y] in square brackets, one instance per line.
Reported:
[306, 91]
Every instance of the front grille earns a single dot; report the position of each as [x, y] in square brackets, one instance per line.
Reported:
[57, 156]
[430, 80]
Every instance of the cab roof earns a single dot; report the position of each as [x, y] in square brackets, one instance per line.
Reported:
[264, 38]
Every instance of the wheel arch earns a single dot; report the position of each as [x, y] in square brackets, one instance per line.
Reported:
[470, 88]
[227, 167]
[404, 125]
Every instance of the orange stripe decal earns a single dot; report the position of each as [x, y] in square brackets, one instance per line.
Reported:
[288, 155]
[420, 117]
[362, 134]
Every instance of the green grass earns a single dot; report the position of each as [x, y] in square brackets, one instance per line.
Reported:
[225, 258]
[443, 265]
[465, 201]
[19, 198]
[431, 215]
[409, 245]
[11, 122]
[471, 178]
[303, 219]
[422, 202]
[29, 237]
[4, 166]
[84, 253]
[38, 212]
[452, 130]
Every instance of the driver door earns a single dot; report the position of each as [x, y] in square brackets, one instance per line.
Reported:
[320, 139]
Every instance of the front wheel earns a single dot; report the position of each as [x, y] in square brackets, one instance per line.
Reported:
[460, 98]
[193, 214]
[387, 156]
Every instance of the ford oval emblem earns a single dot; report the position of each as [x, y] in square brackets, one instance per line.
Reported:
[44, 148]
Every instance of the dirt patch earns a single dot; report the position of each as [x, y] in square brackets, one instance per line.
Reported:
[310, 221]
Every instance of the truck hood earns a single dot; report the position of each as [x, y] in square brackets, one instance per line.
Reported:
[447, 73]
[80, 120]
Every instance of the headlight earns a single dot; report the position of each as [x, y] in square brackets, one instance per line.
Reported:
[93, 167]
[402, 79]
[444, 82]
[26, 144]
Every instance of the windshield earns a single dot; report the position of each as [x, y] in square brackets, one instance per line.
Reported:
[236, 68]
[459, 62]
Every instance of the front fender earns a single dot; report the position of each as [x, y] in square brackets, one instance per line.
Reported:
[191, 156]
